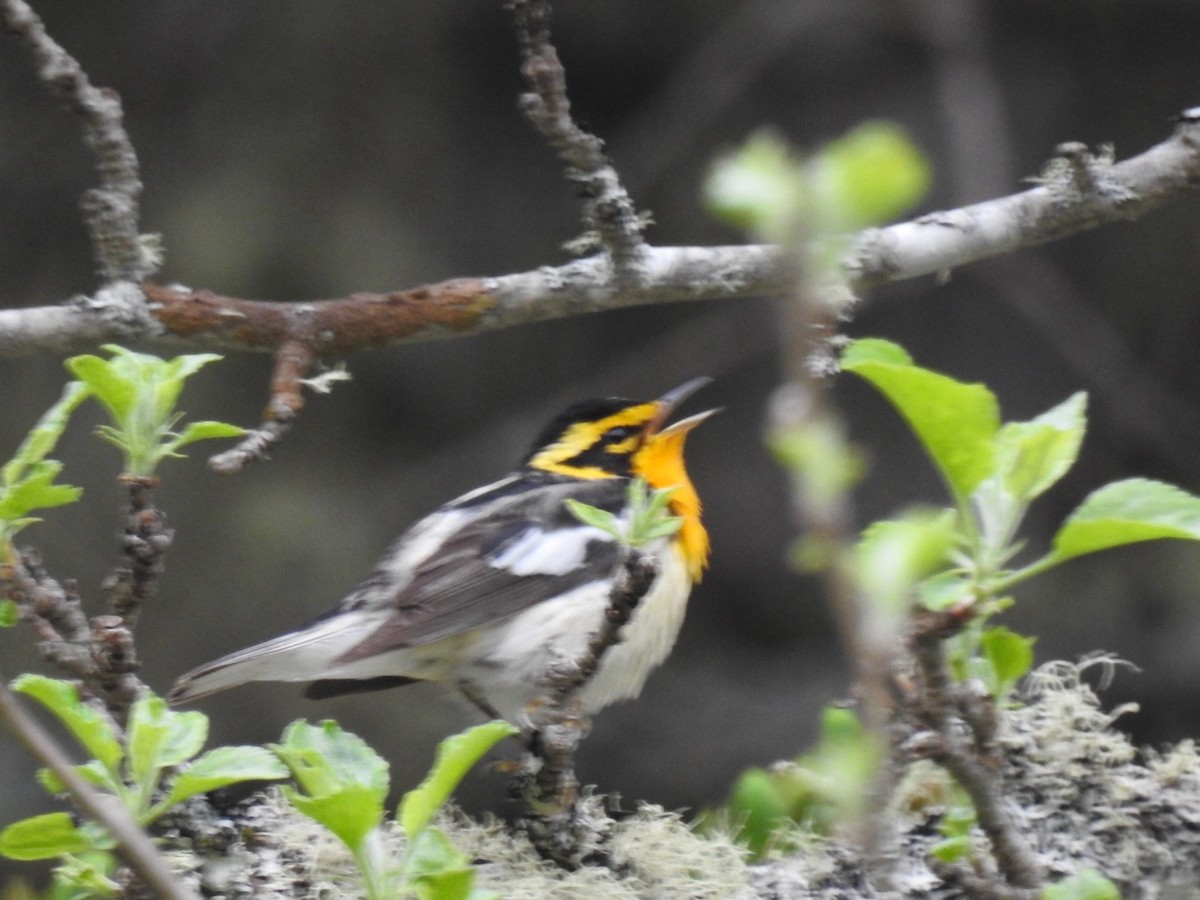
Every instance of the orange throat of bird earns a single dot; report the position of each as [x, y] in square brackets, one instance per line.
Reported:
[660, 462]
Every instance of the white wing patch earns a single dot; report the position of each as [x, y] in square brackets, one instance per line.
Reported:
[537, 552]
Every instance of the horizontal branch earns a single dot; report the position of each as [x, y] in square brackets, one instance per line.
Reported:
[1078, 192]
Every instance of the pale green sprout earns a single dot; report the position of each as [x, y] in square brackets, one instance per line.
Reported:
[139, 391]
[649, 515]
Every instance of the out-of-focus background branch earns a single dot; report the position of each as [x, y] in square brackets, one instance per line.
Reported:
[299, 149]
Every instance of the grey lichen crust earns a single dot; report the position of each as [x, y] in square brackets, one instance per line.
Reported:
[1085, 796]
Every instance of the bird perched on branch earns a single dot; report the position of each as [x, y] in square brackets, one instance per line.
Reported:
[489, 591]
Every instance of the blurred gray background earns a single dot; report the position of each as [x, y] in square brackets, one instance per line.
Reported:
[304, 149]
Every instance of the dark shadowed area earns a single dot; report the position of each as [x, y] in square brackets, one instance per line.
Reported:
[305, 149]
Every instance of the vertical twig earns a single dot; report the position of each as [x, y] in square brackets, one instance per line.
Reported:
[132, 843]
[111, 210]
[547, 786]
[961, 745]
[145, 541]
[608, 209]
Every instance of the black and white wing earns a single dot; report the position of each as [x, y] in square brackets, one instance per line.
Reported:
[513, 551]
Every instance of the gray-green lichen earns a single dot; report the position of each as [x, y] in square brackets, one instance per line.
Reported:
[1085, 797]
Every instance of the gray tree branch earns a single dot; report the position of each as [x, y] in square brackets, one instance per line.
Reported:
[1078, 192]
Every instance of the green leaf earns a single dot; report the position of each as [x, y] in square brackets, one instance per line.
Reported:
[866, 177]
[92, 771]
[10, 613]
[893, 556]
[224, 766]
[344, 780]
[951, 850]
[324, 758]
[1086, 884]
[160, 737]
[45, 837]
[760, 807]
[590, 515]
[455, 757]
[956, 422]
[436, 868]
[203, 431]
[90, 728]
[1010, 656]
[36, 490]
[45, 434]
[758, 188]
[1034, 455]
[1126, 512]
[350, 812]
[86, 876]
[115, 390]
[944, 590]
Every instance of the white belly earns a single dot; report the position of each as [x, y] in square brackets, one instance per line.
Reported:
[514, 656]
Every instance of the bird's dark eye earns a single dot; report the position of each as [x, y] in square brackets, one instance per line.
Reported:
[618, 434]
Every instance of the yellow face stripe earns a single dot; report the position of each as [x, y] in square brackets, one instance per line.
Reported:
[581, 435]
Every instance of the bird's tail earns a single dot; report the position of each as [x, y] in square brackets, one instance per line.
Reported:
[303, 655]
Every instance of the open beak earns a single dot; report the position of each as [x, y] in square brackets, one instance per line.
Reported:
[672, 400]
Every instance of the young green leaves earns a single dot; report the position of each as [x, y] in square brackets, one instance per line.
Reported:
[871, 174]
[343, 784]
[154, 770]
[649, 517]
[27, 481]
[995, 471]
[140, 391]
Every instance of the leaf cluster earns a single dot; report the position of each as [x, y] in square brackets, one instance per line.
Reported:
[27, 481]
[647, 516]
[140, 392]
[342, 784]
[994, 471]
[151, 769]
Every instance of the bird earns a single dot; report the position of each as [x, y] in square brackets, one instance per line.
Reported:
[487, 592]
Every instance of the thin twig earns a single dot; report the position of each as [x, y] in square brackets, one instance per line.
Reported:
[132, 843]
[99, 653]
[293, 360]
[111, 210]
[936, 702]
[146, 539]
[547, 785]
[608, 209]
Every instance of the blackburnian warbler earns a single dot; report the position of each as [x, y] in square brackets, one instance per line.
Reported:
[489, 590]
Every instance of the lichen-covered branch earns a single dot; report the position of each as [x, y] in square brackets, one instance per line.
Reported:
[1062, 205]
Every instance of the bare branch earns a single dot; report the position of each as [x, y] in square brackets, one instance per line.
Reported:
[111, 211]
[930, 244]
[608, 209]
[132, 843]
